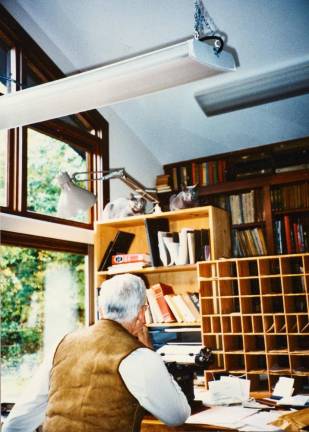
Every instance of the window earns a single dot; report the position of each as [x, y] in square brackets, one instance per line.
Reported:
[34, 153]
[43, 298]
[3, 167]
[48, 156]
[4, 70]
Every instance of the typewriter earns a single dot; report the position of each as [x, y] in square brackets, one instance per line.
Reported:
[184, 362]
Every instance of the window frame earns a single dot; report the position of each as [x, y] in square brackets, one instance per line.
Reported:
[9, 238]
[26, 55]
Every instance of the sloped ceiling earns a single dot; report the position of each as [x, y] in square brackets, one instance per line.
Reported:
[82, 34]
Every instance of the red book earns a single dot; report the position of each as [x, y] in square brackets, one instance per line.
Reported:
[193, 173]
[159, 291]
[296, 238]
[287, 230]
[130, 258]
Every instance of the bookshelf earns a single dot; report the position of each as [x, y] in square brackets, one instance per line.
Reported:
[183, 278]
[271, 180]
[255, 318]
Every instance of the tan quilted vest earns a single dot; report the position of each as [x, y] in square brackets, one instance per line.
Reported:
[86, 392]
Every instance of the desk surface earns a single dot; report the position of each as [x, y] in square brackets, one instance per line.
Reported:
[152, 425]
[149, 424]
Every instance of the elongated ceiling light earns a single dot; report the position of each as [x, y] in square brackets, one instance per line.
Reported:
[157, 70]
[255, 89]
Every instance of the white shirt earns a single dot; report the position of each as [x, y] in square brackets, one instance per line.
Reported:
[144, 374]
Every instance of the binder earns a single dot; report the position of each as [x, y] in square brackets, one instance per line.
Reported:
[152, 227]
[120, 244]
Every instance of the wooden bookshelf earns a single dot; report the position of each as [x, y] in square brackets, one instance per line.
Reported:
[255, 318]
[278, 177]
[183, 278]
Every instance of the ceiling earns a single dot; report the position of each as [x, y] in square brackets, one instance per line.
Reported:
[82, 34]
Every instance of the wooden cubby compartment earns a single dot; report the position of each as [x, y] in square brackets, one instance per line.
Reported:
[255, 317]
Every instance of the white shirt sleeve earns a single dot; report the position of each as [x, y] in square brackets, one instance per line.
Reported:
[147, 378]
[29, 411]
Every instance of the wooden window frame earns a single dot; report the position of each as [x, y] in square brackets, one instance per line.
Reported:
[9, 238]
[27, 55]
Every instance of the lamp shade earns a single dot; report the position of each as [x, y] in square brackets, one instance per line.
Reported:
[73, 198]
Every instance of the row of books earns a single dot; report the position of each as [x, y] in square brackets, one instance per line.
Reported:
[292, 235]
[244, 207]
[163, 183]
[294, 196]
[202, 173]
[187, 246]
[248, 242]
[167, 307]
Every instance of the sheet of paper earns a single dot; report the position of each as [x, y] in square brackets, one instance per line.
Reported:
[240, 385]
[297, 400]
[260, 421]
[221, 416]
[284, 387]
[229, 390]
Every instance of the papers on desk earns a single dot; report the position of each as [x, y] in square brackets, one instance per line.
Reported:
[284, 387]
[242, 419]
[221, 416]
[259, 422]
[228, 390]
[297, 400]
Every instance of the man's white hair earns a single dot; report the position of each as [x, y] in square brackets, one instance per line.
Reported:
[121, 297]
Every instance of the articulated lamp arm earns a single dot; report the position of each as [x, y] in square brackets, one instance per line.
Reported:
[121, 174]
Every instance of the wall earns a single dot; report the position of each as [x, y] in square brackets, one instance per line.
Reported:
[127, 151]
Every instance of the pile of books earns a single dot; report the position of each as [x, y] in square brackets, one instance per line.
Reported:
[163, 183]
[123, 263]
[167, 307]
[249, 242]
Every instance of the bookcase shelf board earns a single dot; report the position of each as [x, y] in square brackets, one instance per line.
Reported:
[264, 334]
[161, 269]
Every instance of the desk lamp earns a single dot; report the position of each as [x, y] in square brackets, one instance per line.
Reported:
[74, 198]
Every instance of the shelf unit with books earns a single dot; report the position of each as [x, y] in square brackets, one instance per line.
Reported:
[271, 180]
[182, 278]
[255, 318]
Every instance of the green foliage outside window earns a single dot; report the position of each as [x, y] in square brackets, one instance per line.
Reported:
[22, 274]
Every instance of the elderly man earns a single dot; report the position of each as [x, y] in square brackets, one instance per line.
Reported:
[101, 378]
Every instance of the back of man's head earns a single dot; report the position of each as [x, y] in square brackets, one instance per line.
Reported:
[121, 297]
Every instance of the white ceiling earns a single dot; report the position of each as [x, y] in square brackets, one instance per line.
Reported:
[82, 34]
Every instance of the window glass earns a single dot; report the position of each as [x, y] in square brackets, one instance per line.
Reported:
[3, 167]
[4, 70]
[43, 298]
[47, 157]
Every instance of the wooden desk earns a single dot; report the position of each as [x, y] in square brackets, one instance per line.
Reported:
[149, 424]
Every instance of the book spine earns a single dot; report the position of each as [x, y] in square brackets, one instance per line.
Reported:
[287, 231]
[166, 313]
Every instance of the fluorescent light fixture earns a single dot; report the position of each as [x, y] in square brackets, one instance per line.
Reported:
[151, 72]
[259, 88]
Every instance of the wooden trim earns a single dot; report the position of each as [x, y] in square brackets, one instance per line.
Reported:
[69, 134]
[255, 182]
[23, 167]
[91, 286]
[38, 242]
[268, 220]
[234, 154]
